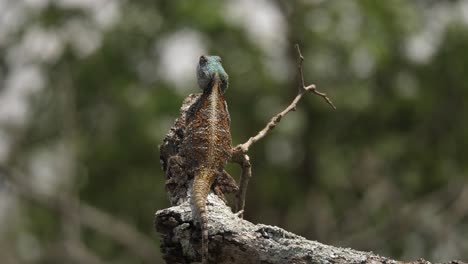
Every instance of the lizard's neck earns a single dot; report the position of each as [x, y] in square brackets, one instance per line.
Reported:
[214, 87]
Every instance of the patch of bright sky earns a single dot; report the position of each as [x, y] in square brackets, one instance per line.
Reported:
[179, 53]
[36, 4]
[421, 46]
[37, 45]
[107, 15]
[265, 27]
[103, 12]
[12, 17]
[83, 36]
[463, 9]
[20, 83]
[47, 164]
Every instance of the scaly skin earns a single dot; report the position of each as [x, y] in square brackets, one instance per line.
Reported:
[207, 143]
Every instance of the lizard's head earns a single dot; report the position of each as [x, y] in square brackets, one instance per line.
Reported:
[208, 67]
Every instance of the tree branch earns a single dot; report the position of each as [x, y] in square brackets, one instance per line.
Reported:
[235, 240]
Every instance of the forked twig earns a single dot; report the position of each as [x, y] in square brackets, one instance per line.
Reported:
[310, 88]
[240, 151]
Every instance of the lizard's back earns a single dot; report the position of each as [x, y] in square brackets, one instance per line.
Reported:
[206, 148]
[207, 142]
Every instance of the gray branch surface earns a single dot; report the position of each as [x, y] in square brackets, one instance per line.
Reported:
[231, 238]
[235, 240]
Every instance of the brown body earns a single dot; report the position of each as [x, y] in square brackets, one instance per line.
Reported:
[206, 148]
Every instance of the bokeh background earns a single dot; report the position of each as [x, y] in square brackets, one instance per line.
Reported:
[88, 89]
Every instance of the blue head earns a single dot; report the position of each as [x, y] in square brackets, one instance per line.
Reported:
[207, 68]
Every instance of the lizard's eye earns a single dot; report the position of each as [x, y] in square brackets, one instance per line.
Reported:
[219, 59]
[202, 59]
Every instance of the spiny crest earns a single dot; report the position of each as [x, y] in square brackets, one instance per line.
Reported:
[207, 68]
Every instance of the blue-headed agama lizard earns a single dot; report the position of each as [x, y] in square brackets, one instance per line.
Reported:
[206, 146]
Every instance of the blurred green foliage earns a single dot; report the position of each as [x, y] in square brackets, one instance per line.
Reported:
[384, 172]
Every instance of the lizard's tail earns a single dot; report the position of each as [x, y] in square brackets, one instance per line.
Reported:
[201, 188]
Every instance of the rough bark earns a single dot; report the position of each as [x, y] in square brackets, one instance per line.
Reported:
[235, 240]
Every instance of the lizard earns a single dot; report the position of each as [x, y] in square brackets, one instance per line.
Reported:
[206, 146]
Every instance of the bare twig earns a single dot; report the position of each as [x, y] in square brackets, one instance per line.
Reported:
[240, 151]
[310, 88]
[244, 148]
